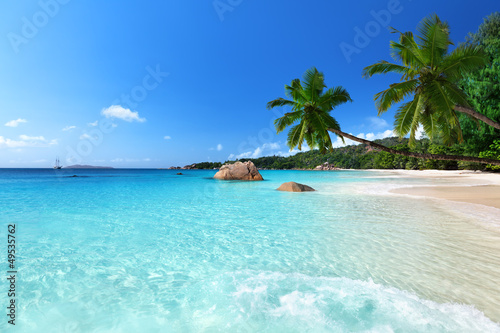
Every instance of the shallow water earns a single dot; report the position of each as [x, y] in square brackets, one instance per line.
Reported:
[150, 251]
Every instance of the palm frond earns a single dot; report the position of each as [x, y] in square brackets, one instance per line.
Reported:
[384, 67]
[434, 39]
[288, 119]
[407, 51]
[295, 91]
[395, 94]
[311, 105]
[316, 119]
[404, 117]
[438, 98]
[464, 59]
[333, 97]
[294, 136]
[313, 83]
[302, 133]
[280, 102]
[441, 101]
[456, 95]
[429, 123]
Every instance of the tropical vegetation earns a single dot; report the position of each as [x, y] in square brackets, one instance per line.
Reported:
[453, 96]
[429, 74]
[483, 88]
[363, 157]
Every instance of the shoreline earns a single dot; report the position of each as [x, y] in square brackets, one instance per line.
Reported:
[472, 187]
[487, 195]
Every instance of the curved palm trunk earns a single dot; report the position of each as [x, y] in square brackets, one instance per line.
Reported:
[417, 155]
[477, 115]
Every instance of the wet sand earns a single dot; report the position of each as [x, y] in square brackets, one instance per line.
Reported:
[488, 195]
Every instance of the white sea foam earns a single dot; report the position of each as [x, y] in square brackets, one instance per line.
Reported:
[277, 302]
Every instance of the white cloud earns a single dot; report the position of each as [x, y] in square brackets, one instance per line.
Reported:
[68, 128]
[273, 148]
[419, 134]
[8, 143]
[266, 149]
[26, 141]
[31, 138]
[117, 160]
[14, 123]
[293, 151]
[95, 123]
[117, 111]
[272, 145]
[377, 136]
[218, 147]
[377, 123]
[166, 137]
[147, 159]
[85, 136]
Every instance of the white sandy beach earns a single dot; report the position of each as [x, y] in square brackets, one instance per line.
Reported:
[464, 186]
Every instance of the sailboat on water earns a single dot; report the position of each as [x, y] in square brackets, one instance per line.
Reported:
[58, 164]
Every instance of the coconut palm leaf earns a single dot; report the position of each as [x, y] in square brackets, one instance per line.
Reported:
[288, 119]
[434, 39]
[295, 91]
[429, 74]
[311, 105]
[280, 102]
[465, 58]
[404, 117]
[407, 50]
[294, 135]
[384, 67]
[395, 94]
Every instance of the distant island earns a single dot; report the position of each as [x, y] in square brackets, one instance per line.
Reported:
[80, 166]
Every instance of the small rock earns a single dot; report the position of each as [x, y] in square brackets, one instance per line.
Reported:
[295, 187]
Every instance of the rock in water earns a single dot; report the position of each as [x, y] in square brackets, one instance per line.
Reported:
[239, 171]
[295, 187]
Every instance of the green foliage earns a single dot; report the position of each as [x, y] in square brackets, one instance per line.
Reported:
[483, 87]
[358, 157]
[208, 165]
[384, 160]
[428, 74]
[311, 105]
[494, 152]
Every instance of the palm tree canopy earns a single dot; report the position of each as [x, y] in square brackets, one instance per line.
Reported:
[310, 111]
[428, 74]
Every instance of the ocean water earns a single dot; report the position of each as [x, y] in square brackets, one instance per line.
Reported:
[150, 251]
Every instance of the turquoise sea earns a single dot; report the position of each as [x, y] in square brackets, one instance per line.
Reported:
[151, 251]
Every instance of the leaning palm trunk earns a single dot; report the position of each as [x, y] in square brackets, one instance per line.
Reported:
[477, 115]
[417, 155]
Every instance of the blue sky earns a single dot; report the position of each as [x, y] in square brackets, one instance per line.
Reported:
[162, 83]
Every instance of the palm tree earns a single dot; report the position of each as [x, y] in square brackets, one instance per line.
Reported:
[311, 120]
[311, 105]
[429, 73]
